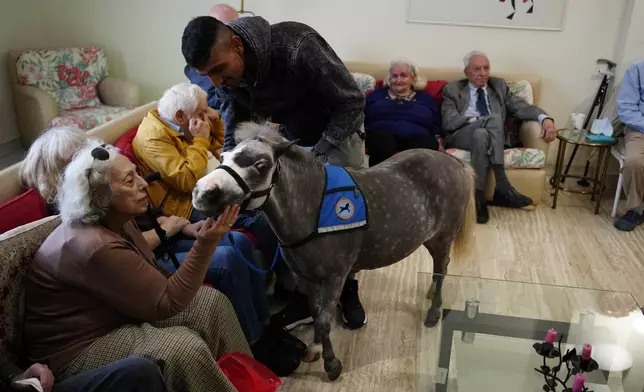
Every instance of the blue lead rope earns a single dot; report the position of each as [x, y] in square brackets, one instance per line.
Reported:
[250, 263]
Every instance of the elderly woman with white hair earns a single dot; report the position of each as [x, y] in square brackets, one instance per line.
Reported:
[46, 159]
[94, 294]
[401, 116]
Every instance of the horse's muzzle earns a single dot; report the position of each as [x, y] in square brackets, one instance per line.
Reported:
[213, 200]
[209, 201]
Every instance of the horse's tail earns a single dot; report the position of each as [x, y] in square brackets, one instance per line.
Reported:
[464, 239]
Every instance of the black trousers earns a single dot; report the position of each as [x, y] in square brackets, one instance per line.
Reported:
[383, 144]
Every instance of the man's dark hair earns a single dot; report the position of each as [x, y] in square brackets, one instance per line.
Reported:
[199, 37]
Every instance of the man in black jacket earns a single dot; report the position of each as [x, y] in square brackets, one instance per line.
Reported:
[284, 72]
[288, 74]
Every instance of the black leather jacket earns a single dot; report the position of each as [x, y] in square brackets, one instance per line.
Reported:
[292, 77]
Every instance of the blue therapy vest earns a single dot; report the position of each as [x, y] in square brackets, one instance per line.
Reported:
[343, 206]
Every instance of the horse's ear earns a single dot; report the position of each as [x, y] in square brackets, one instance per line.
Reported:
[281, 148]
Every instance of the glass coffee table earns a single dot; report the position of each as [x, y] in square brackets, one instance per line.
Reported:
[485, 340]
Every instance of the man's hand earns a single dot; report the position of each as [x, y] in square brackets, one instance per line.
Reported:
[199, 127]
[192, 230]
[213, 230]
[212, 114]
[39, 371]
[173, 224]
[549, 130]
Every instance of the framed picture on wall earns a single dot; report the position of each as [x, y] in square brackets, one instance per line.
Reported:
[513, 14]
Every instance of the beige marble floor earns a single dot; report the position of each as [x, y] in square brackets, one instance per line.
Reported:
[568, 246]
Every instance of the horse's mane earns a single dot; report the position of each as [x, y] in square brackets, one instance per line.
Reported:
[268, 133]
[252, 130]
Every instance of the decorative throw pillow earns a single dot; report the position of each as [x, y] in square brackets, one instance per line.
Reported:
[77, 97]
[124, 144]
[522, 89]
[513, 158]
[366, 83]
[22, 209]
[71, 75]
[435, 89]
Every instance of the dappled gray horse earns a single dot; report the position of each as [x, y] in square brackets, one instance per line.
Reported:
[417, 197]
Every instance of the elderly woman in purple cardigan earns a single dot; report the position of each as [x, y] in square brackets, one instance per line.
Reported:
[399, 117]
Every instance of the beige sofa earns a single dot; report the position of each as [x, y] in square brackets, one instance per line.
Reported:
[530, 182]
[17, 248]
[108, 132]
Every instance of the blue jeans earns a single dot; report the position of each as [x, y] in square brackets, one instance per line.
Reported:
[230, 274]
[255, 223]
[134, 374]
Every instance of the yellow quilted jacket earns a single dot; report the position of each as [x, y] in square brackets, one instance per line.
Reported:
[159, 148]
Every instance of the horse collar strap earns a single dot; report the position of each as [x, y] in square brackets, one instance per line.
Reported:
[248, 193]
[342, 207]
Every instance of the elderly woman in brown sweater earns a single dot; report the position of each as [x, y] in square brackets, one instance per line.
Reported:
[94, 294]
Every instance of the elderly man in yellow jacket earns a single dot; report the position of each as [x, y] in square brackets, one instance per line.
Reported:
[177, 140]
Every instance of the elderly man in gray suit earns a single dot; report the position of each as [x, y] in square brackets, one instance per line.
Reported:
[474, 112]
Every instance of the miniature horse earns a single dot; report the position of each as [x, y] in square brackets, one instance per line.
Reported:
[417, 197]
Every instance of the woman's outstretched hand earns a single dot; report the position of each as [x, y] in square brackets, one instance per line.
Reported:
[213, 230]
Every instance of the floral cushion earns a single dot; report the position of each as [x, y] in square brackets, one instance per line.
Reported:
[366, 83]
[514, 158]
[88, 118]
[17, 249]
[522, 89]
[71, 75]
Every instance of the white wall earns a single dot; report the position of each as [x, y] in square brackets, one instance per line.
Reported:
[375, 30]
[21, 26]
[634, 45]
[143, 38]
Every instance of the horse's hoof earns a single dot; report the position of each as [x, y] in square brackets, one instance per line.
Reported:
[432, 318]
[431, 292]
[333, 368]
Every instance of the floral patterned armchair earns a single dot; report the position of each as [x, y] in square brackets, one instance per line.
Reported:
[68, 86]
